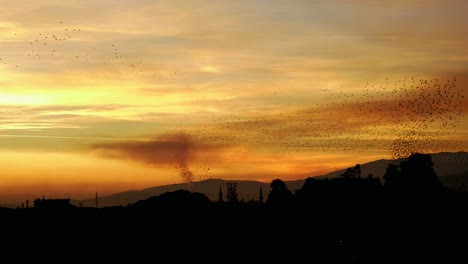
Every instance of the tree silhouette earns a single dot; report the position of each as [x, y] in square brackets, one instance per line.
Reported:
[279, 194]
[392, 176]
[231, 195]
[354, 172]
[260, 195]
[418, 173]
[357, 171]
[414, 174]
[220, 197]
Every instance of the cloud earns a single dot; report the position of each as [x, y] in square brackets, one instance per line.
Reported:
[57, 116]
[178, 149]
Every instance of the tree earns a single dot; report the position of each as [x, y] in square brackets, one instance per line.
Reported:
[260, 195]
[357, 171]
[391, 176]
[279, 194]
[354, 172]
[220, 197]
[418, 173]
[414, 174]
[231, 195]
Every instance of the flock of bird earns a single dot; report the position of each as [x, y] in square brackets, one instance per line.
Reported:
[42, 45]
[403, 116]
[409, 115]
[64, 43]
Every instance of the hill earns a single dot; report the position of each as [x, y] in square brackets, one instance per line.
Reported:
[7, 206]
[446, 164]
[248, 190]
[456, 180]
[209, 187]
[452, 169]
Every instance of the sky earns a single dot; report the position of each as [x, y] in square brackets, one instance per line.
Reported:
[107, 96]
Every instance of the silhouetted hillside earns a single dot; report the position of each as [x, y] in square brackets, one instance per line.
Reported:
[208, 187]
[450, 167]
[456, 180]
[445, 164]
[377, 168]
[448, 163]
[180, 200]
[248, 190]
[7, 206]
[348, 219]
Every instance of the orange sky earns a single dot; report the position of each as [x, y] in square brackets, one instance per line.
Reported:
[115, 95]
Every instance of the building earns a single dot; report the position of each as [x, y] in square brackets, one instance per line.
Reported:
[52, 203]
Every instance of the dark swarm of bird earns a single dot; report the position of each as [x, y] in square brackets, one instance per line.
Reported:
[404, 116]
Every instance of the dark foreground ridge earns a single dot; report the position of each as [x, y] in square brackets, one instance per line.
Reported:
[350, 219]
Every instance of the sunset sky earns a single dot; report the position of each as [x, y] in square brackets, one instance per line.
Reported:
[109, 96]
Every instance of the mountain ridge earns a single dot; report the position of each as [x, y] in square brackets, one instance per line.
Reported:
[451, 167]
